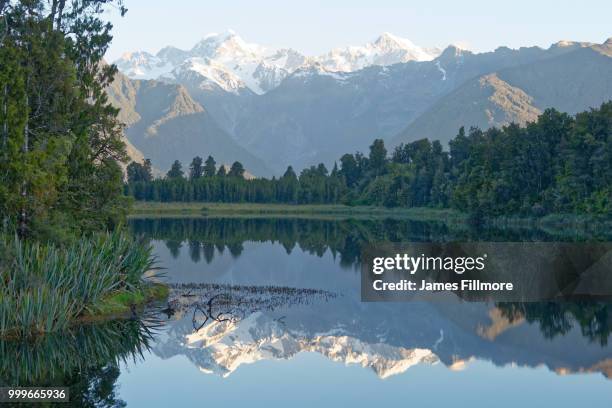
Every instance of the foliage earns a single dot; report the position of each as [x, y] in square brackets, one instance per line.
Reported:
[558, 164]
[120, 303]
[139, 172]
[195, 169]
[44, 287]
[237, 170]
[61, 142]
[313, 186]
[176, 171]
[209, 167]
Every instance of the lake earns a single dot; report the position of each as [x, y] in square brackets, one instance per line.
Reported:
[267, 312]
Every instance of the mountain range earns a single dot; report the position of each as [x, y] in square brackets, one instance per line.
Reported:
[454, 334]
[227, 61]
[270, 108]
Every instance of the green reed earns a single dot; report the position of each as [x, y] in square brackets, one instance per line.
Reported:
[44, 287]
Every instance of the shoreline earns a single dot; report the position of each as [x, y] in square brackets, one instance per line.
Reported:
[123, 304]
[147, 209]
[117, 306]
[312, 210]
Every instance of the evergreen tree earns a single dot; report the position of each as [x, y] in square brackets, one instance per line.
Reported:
[60, 136]
[237, 170]
[176, 171]
[378, 156]
[195, 169]
[221, 172]
[288, 187]
[349, 170]
[134, 172]
[209, 168]
[334, 172]
[148, 170]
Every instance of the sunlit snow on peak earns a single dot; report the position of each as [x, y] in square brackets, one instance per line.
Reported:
[221, 57]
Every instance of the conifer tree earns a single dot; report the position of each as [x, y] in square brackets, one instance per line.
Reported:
[195, 169]
[61, 140]
[176, 171]
[237, 170]
[209, 167]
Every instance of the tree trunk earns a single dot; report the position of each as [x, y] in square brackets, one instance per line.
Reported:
[23, 217]
[5, 141]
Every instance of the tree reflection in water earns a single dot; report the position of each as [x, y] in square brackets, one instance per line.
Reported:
[558, 318]
[86, 359]
[344, 237]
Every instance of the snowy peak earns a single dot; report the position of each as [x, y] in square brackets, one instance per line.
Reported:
[287, 58]
[172, 55]
[389, 43]
[208, 74]
[142, 65]
[387, 49]
[227, 57]
[228, 45]
[222, 347]
[224, 60]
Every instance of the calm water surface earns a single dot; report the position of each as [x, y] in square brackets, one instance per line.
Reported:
[267, 312]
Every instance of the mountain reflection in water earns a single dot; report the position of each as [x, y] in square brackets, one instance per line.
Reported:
[324, 255]
[233, 328]
[250, 292]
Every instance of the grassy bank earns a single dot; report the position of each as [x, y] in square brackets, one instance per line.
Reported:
[562, 225]
[45, 288]
[123, 303]
[141, 208]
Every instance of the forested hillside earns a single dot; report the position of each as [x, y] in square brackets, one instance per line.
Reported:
[556, 164]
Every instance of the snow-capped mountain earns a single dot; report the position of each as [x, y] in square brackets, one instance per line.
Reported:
[388, 49]
[222, 347]
[227, 61]
[207, 73]
[221, 327]
[142, 65]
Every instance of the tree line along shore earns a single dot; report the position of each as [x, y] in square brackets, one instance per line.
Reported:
[558, 164]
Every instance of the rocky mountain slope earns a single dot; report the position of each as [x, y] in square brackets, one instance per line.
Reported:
[164, 123]
[568, 81]
[288, 109]
[316, 115]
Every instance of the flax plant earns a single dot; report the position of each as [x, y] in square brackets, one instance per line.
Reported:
[44, 287]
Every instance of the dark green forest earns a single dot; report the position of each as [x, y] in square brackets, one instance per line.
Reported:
[557, 164]
[60, 141]
[62, 251]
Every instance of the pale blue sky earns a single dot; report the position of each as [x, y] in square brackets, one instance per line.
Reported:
[315, 26]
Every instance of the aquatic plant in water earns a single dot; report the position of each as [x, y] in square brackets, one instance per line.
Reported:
[44, 287]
